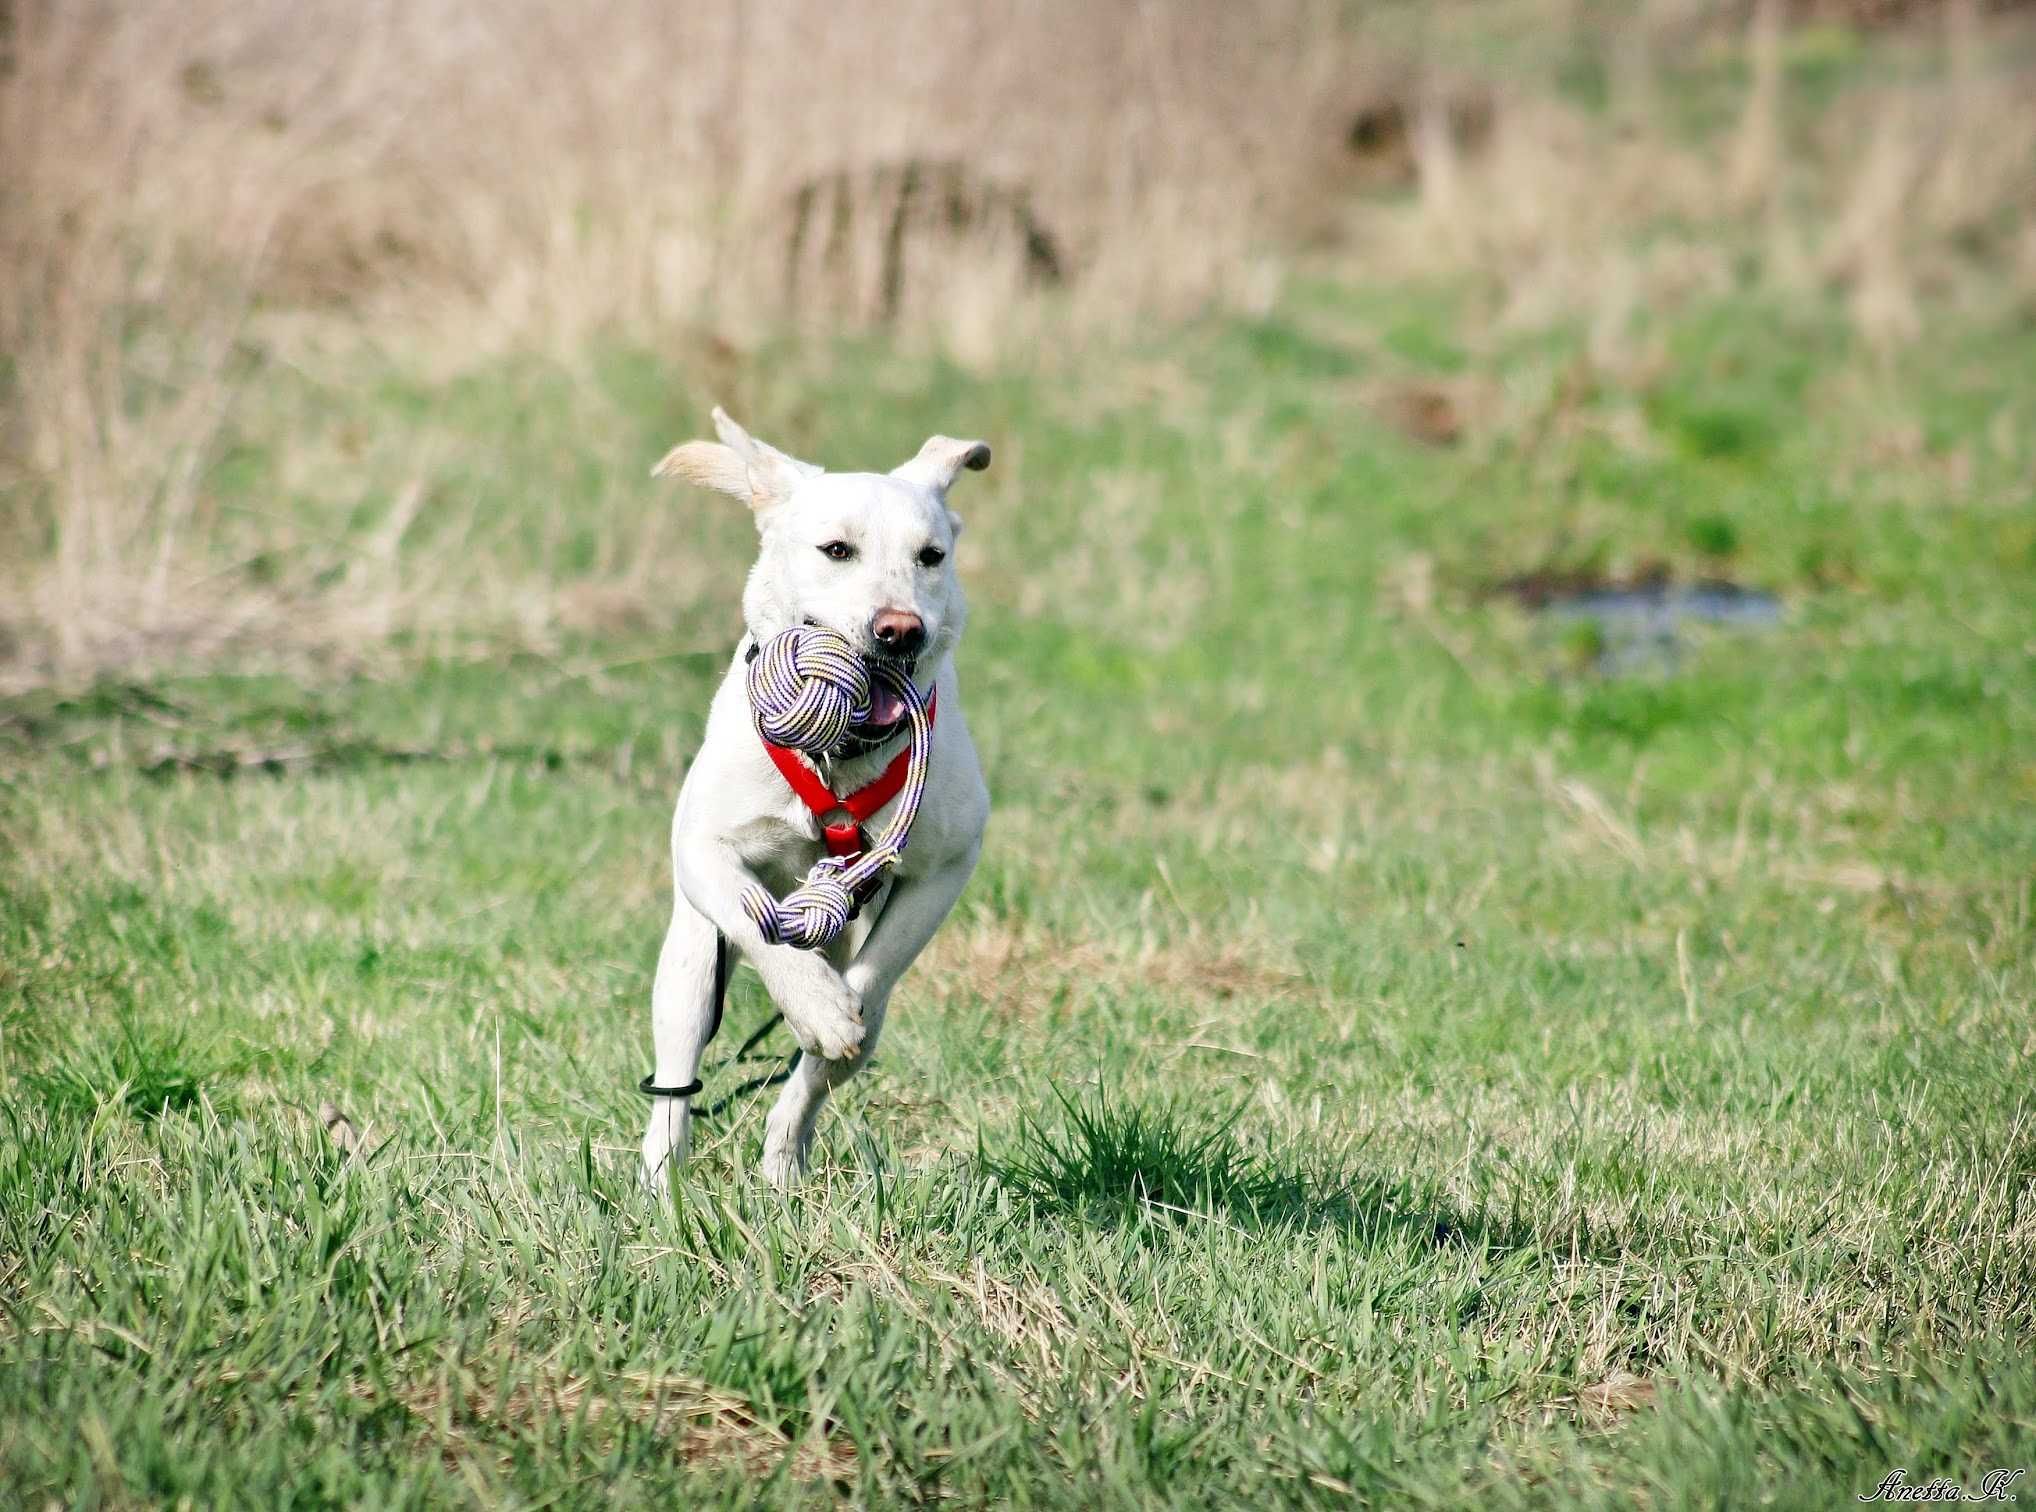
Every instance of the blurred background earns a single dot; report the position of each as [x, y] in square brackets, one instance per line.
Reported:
[331, 326]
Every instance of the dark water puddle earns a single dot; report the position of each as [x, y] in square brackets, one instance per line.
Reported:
[1664, 608]
[1641, 625]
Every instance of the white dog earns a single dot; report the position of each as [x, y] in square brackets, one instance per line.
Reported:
[870, 556]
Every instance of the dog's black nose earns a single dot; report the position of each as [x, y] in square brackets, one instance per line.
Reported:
[898, 631]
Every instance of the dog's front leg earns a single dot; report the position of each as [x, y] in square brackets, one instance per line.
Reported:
[912, 913]
[824, 1015]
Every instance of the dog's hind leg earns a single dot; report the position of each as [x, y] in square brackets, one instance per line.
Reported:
[911, 914]
[788, 1132]
[683, 1003]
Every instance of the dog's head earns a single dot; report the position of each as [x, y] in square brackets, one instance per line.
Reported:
[868, 555]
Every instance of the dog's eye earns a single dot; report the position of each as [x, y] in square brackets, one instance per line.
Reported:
[932, 556]
[837, 551]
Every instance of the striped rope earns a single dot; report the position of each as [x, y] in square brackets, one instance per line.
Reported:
[809, 688]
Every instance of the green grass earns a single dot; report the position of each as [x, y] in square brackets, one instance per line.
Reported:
[1378, 1059]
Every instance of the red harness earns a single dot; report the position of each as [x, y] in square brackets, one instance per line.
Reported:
[842, 819]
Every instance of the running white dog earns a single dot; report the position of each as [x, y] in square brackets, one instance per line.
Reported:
[870, 556]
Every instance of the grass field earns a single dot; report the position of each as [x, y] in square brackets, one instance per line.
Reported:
[1376, 1055]
[1382, 1057]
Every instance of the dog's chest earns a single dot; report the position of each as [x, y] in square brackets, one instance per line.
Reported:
[782, 844]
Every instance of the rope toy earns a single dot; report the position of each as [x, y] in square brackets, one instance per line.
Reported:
[809, 688]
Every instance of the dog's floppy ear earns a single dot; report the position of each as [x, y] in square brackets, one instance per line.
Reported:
[941, 460]
[738, 465]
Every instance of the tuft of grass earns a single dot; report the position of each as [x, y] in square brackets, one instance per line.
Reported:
[1716, 536]
[1122, 1159]
[146, 1069]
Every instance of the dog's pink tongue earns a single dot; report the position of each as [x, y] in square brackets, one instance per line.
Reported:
[886, 707]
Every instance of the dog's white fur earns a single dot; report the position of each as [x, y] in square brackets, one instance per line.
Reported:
[738, 822]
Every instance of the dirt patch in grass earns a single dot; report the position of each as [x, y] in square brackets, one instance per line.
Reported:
[1434, 412]
[1619, 1395]
[1025, 972]
[705, 1426]
[1552, 583]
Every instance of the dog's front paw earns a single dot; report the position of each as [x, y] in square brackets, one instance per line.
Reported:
[781, 1167]
[828, 1024]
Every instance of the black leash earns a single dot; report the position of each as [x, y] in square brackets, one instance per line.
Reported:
[756, 1083]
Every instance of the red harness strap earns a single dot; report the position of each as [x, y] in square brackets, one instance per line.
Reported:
[844, 834]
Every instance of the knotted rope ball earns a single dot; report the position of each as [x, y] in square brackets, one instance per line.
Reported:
[809, 689]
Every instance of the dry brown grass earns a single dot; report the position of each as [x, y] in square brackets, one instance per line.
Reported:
[1025, 972]
[1884, 194]
[198, 194]
[466, 1416]
[184, 183]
